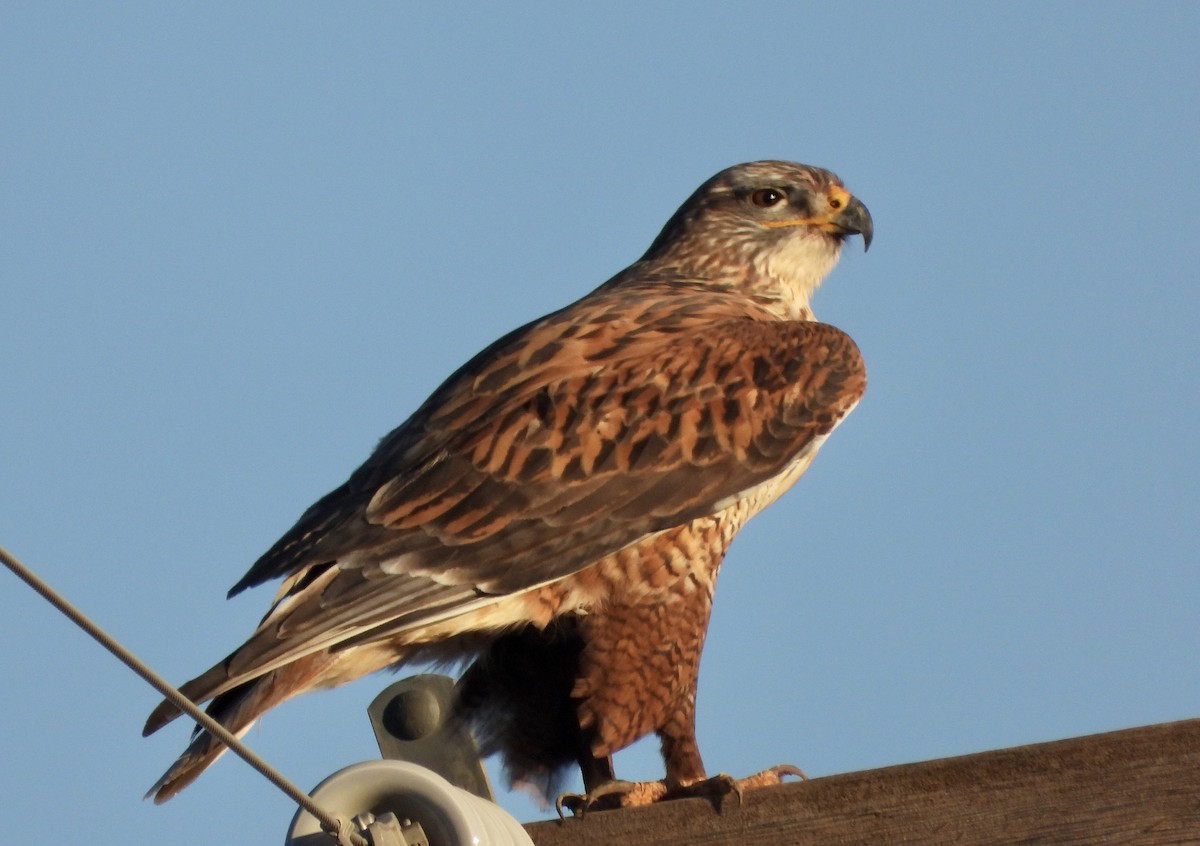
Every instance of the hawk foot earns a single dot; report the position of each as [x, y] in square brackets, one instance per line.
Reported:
[632, 794]
[771, 776]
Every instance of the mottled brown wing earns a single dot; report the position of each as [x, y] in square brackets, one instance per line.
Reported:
[619, 417]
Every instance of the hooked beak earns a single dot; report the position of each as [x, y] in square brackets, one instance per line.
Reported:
[854, 219]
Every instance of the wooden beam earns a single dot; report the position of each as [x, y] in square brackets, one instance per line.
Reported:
[1138, 787]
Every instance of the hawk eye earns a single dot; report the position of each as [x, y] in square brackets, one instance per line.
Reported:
[767, 197]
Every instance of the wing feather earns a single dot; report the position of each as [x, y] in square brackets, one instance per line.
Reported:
[571, 438]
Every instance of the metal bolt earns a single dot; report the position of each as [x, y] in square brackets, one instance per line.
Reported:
[413, 714]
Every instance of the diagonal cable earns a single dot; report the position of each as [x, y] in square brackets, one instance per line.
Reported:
[342, 830]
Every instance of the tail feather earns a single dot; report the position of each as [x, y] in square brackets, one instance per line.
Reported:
[237, 710]
[199, 690]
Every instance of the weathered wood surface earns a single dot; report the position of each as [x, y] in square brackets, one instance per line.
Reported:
[1133, 787]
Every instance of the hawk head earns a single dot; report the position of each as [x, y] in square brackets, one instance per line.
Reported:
[772, 228]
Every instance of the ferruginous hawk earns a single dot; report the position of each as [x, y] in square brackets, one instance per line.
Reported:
[555, 514]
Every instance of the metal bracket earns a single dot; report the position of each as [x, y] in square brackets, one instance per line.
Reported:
[412, 722]
[387, 830]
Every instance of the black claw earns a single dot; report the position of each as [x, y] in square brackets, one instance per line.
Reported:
[568, 801]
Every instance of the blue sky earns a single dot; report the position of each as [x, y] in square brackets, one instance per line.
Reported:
[241, 243]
